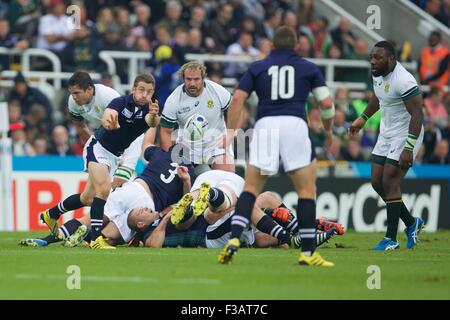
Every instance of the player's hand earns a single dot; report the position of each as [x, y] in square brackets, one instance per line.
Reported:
[183, 173]
[328, 138]
[153, 108]
[357, 125]
[111, 119]
[406, 159]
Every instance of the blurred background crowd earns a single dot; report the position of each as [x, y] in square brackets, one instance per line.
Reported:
[170, 29]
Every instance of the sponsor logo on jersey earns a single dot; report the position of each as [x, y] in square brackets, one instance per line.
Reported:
[387, 87]
[184, 110]
[127, 113]
[196, 103]
[97, 109]
[210, 103]
[139, 115]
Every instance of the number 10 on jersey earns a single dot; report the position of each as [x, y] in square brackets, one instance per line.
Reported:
[283, 82]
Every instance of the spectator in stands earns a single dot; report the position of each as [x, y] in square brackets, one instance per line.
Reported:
[40, 146]
[24, 17]
[105, 17]
[8, 40]
[433, 8]
[304, 47]
[333, 152]
[249, 25]
[28, 96]
[340, 126]
[420, 158]
[180, 44]
[435, 109]
[35, 122]
[198, 19]
[444, 13]
[271, 23]
[143, 26]
[265, 46]
[432, 135]
[360, 52]
[306, 12]
[106, 79]
[342, 101]
[14, 111]
[290, 19]
[441, 155]
[243, 48]
[221, 30]
[142, 44]
[195, 39]
[111, 41]
[322, 38]
[123, 21]
[343, 36]
[173, 16]
[60, 142]
[55, 28]
[20, 146]
[434, 61]
[82, 52]
[353, 150]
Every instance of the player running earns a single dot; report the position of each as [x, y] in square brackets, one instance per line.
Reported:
[282, 82]
[401, 134]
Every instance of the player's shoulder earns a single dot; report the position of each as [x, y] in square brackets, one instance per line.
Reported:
[402, 75]
[105, 90]
[175, 97]
[214, 86]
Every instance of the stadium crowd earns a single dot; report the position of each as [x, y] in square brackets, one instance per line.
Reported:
[170, 29]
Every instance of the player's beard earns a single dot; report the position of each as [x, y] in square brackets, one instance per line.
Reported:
[193, 91]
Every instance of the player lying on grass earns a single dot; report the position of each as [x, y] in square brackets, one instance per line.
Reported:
[162, 183]
[215, 194]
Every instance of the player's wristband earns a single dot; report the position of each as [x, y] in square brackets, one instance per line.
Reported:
[410, 142]
[327, 113]
[123, 173]
[364, 116]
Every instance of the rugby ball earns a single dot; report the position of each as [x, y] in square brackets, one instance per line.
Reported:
[195, 127]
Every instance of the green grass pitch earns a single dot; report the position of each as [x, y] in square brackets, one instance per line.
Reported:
[181, 273]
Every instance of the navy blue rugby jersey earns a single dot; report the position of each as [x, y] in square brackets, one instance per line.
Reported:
[132, 125]
[282, 82]
[161, 176]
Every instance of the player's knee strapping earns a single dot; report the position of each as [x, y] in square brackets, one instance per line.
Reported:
[123, 173]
